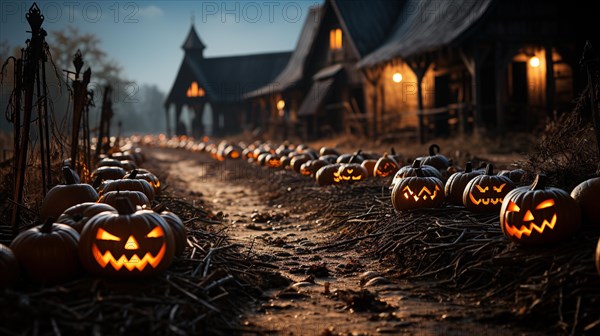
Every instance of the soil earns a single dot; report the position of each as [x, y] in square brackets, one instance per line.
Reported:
[347, 292]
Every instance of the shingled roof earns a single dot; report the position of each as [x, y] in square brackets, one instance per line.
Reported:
[224, 79]
[425, 25]
[294, 70]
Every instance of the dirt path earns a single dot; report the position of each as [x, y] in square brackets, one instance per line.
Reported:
[329, 293]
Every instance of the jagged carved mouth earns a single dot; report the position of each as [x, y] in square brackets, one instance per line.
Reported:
[524, 230]
[131, 263]
[485, 201]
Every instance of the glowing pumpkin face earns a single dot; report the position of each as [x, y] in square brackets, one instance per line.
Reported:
[273, 161]
[328, 174]
[130, 243]
[536, 215]
[352, 172]
[418, 192]
[485, 193]
[385, 166]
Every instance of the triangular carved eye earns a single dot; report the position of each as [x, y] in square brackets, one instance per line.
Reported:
[482, 189]
[512, 207]
[545, 204]
[499, 189]
[105, 235]
[156, 233]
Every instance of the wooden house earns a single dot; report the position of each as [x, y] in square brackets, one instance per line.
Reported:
[490, 65]
[219, 82]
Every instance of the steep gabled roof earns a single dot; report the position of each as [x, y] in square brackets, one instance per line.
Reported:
[425, 25]
[192, 41]
[367, 23]
[294, 70]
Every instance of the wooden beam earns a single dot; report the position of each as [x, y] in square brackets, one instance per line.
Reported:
[419, 66]
[550, 83]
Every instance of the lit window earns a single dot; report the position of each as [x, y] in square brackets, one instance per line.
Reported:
[195, 91]
[335, 39]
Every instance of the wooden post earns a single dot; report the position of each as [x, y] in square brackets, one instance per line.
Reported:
[373, 76]
[419, 66]
[474, 63]
[501, 65]
[550, 83]
[591, 62]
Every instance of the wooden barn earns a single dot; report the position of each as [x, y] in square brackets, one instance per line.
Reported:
[496, 66]
[219, 82]
[320, 92]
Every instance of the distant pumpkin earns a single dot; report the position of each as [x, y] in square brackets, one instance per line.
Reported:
[485, 193]
[369, 165]
[63, 196]
[329, 174]
[435, 159]
[352, 172]
[385, 166]
[78, 215]
[515, 175]
[417, 192]
[409, 171]
[457, 182]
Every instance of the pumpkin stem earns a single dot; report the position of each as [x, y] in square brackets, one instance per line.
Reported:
[393, 151]
[420, 172]
[47, 226]
[68, 175]
[489, 169]
[469, 167]
[416, 163]
[97, 182]
[124, 206]
[133, 174]
[434, 149]
[385, 154]
[540, 182]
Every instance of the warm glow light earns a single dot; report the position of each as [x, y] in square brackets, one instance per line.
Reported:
[534, 62]
[194, 90]
[523, 230]
[280, 104]
[335, 39]
[397, 77]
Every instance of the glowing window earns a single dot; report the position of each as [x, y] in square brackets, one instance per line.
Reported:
[194, 90]
[335, 39]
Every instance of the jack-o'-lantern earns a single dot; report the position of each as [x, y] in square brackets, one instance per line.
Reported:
[435, 159]
[485, 193]
[369, 165]
[537, 215]
[515, 175]
[356, 157]
[273, 161]
[127, 244]
[455, 186]
[143, 174]
[385, 166]
[417, 192]
[409, 171]
[352, 172]
[78, 215]
[587, 194]
[310, 167]
[233, 152]
[63, 196]
[328, 175]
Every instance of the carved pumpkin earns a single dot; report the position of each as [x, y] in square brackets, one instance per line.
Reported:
[409, 171]
[47, 253]
[485, 193]
[515, 175]
[537, 215]
[78, 215]
[352, 172]
[9, 267]
[233, 152]
[137, 198]
[129, 243]
[108, 173]
[179, 231]
[417, 192]
[457, 182]
[273, 161]
[356, 157]
[369, 165]
[61, 197]
[328, 174]
[385, 166]
[587, 194]
[143, 174]
[310, 167]
[435, 159]
[131, 183]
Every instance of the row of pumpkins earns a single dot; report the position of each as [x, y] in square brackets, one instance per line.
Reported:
[532, 215]
[108, 227]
